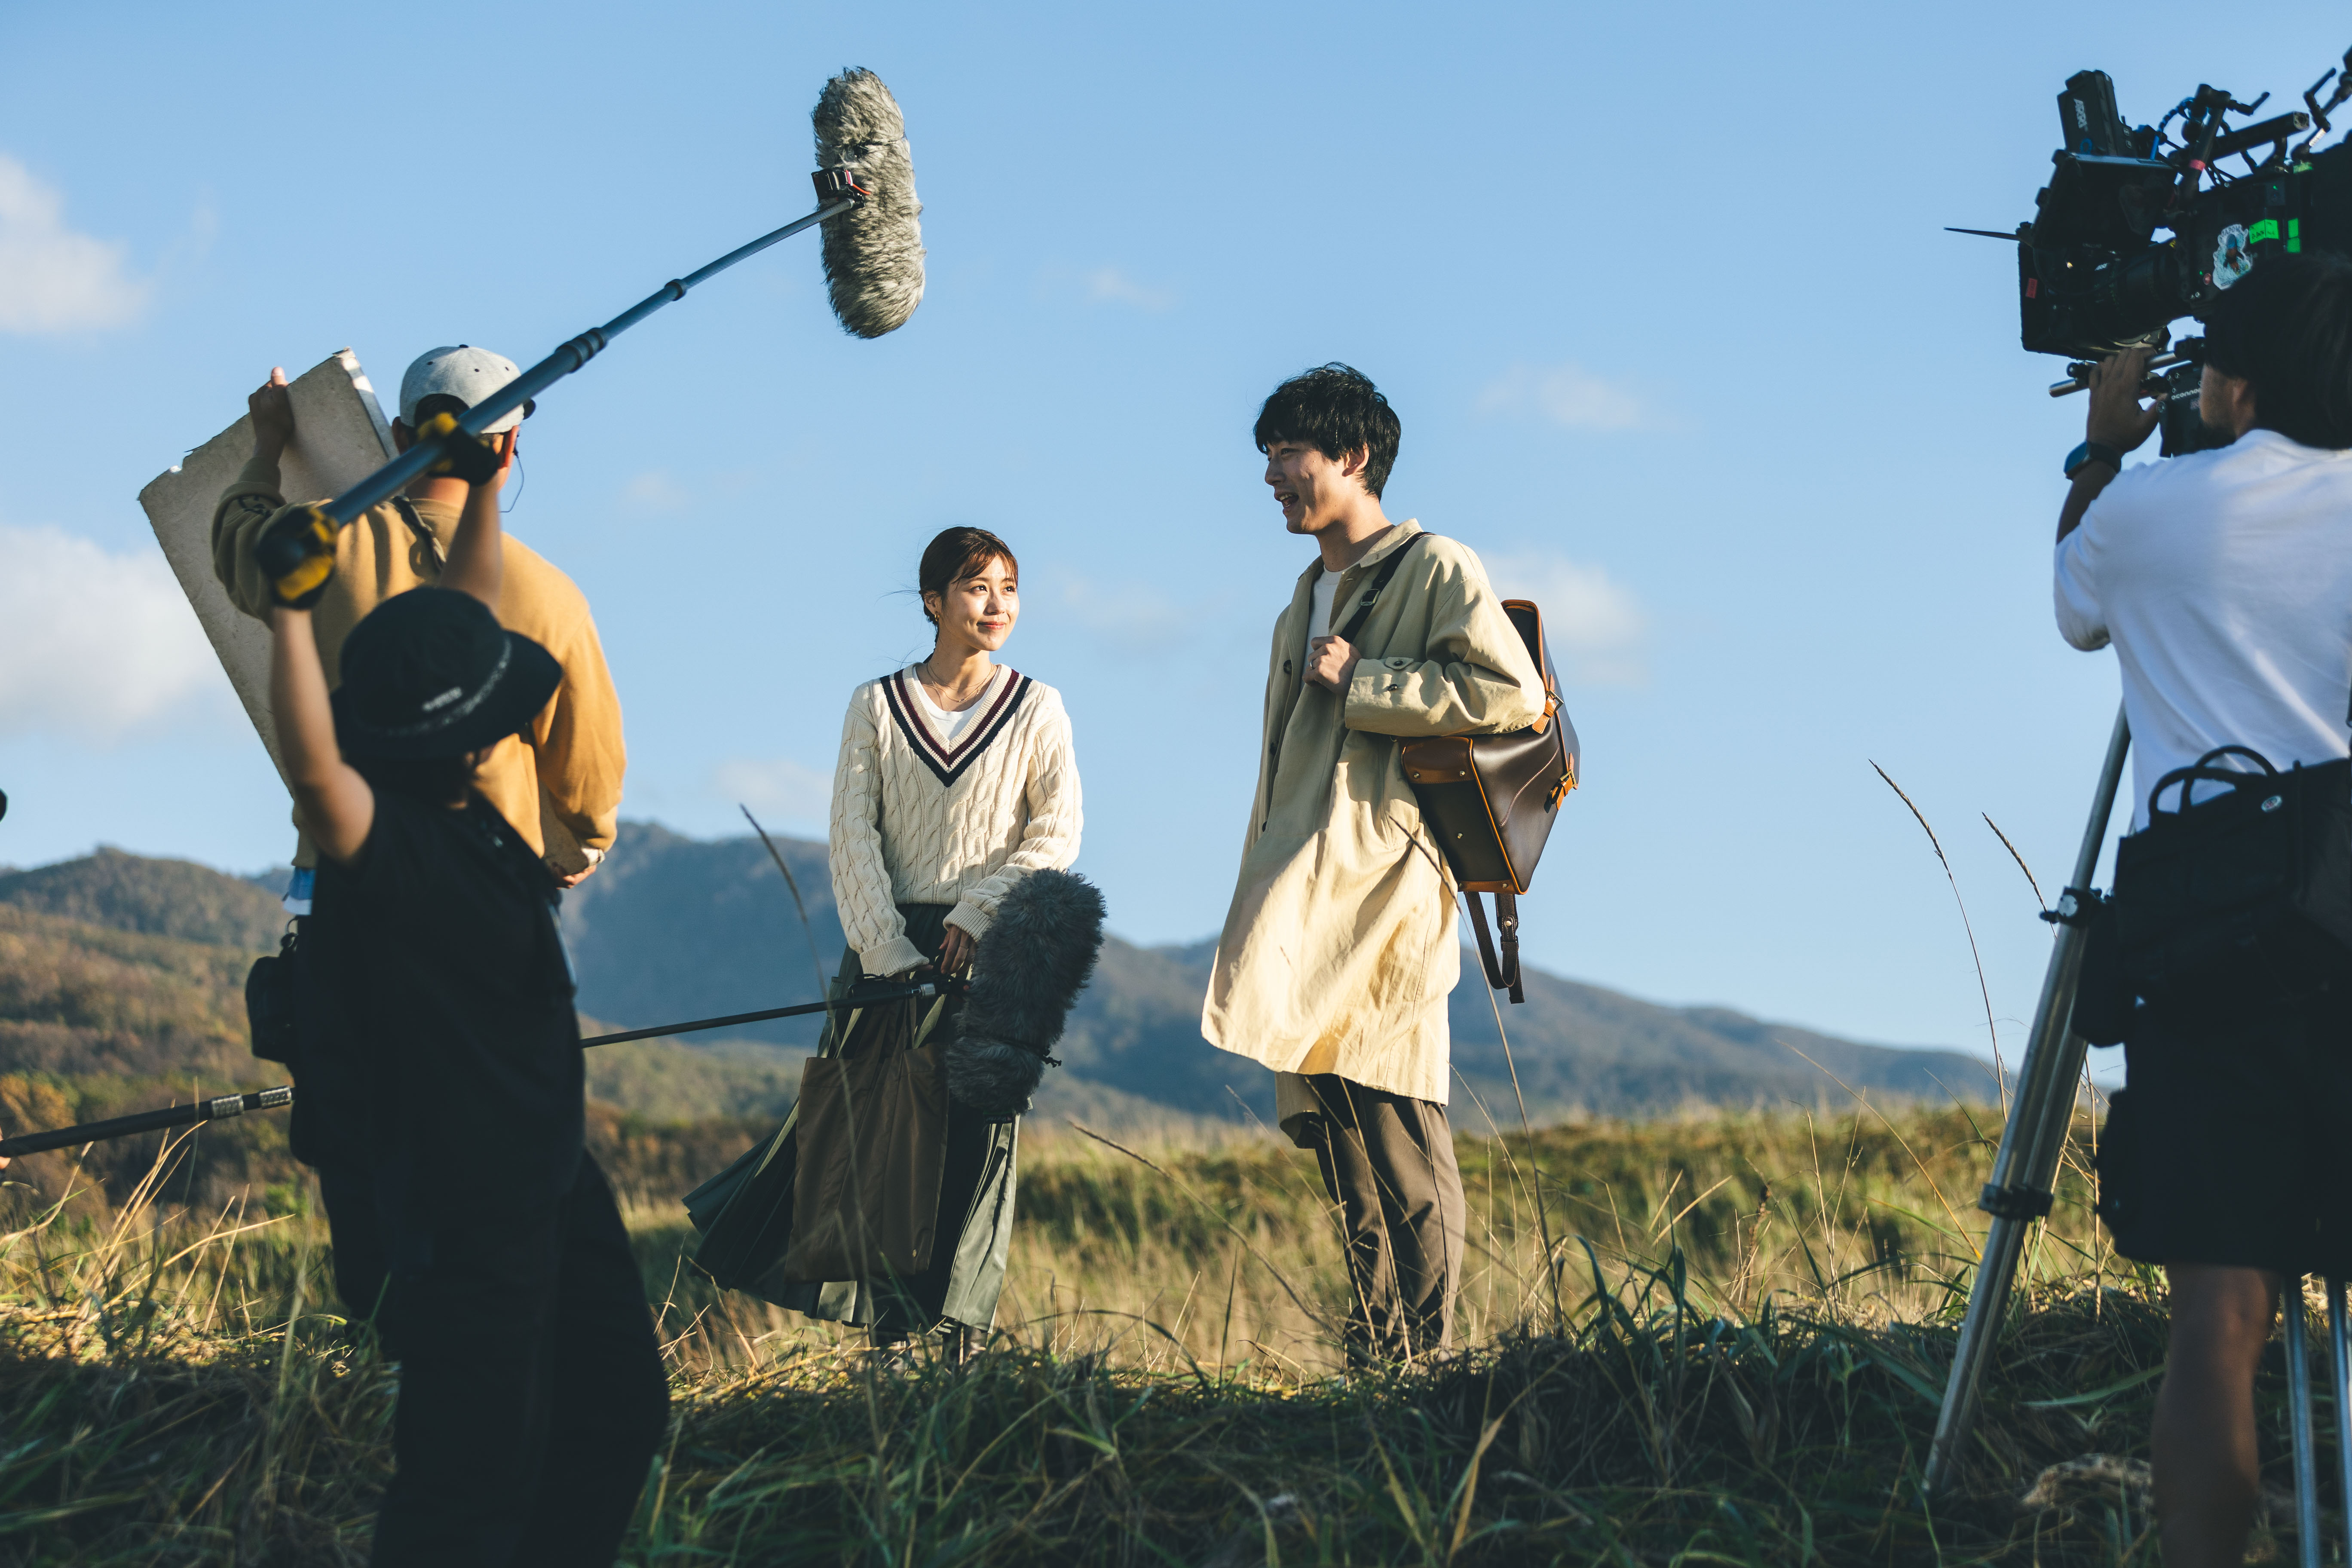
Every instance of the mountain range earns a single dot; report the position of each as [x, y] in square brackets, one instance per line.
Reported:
[674, 928]
[120, 965]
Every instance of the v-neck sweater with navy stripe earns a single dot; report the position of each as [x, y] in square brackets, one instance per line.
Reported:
[918, 820]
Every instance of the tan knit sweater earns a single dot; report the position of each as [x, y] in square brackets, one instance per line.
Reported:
[919, 821]
[561, 790]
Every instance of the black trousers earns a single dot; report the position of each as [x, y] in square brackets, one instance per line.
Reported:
[532, 1394]
[1388, 1163]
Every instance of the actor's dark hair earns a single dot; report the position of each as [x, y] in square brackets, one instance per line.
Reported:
[439, 780]
[1335, 409]
[955, 554]
[2287, 327]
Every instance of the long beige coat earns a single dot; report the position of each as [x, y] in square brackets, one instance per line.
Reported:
[1340, 947]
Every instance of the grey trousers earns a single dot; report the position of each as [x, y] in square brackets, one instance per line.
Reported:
[1388, 1163]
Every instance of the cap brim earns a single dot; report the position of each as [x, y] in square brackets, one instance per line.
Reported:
[531, 677]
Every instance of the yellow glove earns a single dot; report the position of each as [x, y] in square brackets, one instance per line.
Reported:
[472, 458]
[297, 554]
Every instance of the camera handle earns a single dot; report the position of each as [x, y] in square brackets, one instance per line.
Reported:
[2038, 1119]
[2343, 75]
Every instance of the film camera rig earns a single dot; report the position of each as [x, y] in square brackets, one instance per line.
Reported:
[2093, 279]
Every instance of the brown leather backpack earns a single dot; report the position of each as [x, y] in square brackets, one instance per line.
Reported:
[1490, 799]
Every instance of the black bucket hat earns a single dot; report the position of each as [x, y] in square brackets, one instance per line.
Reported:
[431, 673]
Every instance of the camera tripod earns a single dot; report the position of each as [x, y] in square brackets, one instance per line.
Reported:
[2020, 1193]
[2039, 1120]
[2298, 1398]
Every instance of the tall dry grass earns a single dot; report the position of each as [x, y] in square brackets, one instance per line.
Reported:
[1713, 1339]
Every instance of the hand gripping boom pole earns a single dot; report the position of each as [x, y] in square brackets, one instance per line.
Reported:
[298, 553]
[2039, 1120]
[228, 1105]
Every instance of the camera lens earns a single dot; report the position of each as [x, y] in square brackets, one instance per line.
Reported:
[2142, 293]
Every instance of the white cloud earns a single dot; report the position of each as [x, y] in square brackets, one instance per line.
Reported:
[53, 279]
[97, 646]
[1110, 286]
[655, 491]
[1595, 627]
[1569, 397]
[780, 787]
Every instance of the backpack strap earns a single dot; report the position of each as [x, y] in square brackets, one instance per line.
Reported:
[1504, 973]
[1380, 581]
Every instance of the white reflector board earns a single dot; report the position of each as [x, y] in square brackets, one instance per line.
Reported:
[341, 436]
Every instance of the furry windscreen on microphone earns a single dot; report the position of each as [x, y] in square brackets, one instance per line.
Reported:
[873, 254]
[1029, 969]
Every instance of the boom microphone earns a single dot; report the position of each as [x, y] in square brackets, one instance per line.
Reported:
[1038, 953]
[874, 272]
[874, 253]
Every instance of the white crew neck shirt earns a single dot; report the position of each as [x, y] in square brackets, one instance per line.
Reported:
[1318, 619]
[2224, 580]
[949, 725]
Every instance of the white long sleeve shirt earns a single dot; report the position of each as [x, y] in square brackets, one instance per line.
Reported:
[2224, 580]
[921, 817]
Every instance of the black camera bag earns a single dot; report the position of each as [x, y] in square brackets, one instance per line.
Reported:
[270, 993]
[2250, 892]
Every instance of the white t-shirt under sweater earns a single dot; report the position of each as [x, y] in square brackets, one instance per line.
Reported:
[1318, 619]
[922, 817]
[950, 724]
[2224, 580]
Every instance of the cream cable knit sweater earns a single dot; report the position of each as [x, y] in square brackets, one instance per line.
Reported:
[914, 821]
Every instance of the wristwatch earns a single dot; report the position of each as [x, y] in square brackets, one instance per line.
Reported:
[2092, 452]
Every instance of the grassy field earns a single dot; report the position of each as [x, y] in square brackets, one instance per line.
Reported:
[1713, 1340]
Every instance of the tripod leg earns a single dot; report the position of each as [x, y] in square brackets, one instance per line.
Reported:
[2298, 1406]
[2029, 1145]
[2339, 1388]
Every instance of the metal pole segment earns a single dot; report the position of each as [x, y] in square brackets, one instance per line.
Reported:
[2298, 1415]
[2031, 1144]
[395, 475]
[2340, 1386]
[856, 999]
[275, 1099]
[213, 1109]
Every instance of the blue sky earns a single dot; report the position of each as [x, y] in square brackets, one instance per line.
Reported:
[1661, 294]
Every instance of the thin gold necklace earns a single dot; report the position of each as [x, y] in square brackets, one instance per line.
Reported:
[950, 699]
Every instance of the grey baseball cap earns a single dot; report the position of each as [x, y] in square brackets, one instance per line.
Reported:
[464, 373]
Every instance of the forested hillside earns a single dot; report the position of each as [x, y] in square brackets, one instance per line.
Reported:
[121, 975]
[679, 928]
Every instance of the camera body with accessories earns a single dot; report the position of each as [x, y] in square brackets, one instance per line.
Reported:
[2094, 276]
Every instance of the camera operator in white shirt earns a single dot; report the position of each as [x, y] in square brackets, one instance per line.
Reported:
[2224, 580]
